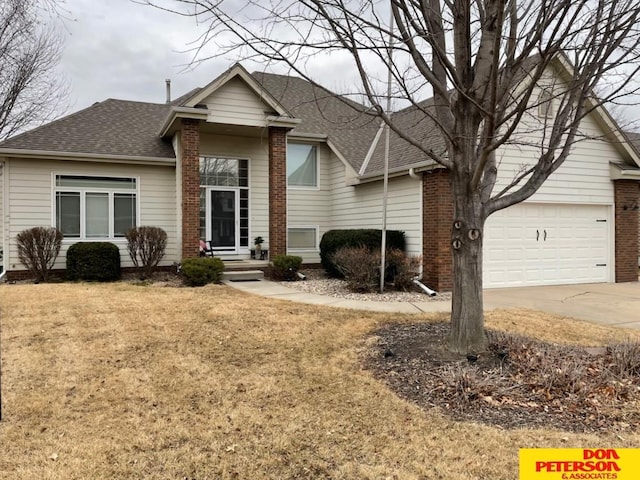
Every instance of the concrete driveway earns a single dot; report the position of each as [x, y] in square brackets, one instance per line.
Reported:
[605, 303]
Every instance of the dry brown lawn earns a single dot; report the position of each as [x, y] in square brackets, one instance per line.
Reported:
[121, 381]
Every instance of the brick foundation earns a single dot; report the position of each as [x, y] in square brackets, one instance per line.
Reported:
[437, 216]
[190, 156]
[277, 191]
[627, 199]
[59, 274]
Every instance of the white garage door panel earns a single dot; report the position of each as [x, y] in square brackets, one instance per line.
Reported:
[536, 244]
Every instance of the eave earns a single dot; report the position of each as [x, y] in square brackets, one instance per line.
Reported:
[86, 157]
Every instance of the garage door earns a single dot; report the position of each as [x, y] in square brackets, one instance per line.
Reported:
[543, 244]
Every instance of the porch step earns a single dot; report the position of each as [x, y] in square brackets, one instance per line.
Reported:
[243, 275]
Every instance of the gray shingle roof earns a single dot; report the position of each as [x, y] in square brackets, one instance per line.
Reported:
[130, 129]
[351, 130]
[111, 127]
[322, 112]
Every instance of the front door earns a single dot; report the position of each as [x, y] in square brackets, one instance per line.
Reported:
[223, 219]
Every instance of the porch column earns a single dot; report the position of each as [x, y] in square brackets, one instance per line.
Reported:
[277, 191]
[437, 213]
[190, 158]
[627, 201]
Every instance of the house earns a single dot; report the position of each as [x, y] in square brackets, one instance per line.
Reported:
[274, 156]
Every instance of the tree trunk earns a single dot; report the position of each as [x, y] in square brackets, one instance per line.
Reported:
[467, 315]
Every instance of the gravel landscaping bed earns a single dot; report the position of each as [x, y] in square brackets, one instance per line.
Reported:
[317, 282]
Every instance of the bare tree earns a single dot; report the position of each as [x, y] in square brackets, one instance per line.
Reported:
[30, 91]
[486, 64]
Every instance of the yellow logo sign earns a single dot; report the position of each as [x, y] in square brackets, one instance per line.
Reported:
[579, 464]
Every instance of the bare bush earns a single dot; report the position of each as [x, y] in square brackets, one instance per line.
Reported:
[38, 248]
[360, 267]
[624, 359]
[402, 269]
[146, 247]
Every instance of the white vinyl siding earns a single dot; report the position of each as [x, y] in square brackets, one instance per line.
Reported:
[236, 104]
[31, 200]
[360, 206]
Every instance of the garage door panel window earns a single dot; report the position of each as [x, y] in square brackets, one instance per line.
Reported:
[95, 207]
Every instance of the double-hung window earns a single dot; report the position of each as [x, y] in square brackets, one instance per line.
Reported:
[95, 207]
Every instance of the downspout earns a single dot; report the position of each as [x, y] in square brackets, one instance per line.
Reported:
[423, 287]
[413, 174]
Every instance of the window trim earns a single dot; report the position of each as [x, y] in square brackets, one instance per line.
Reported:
[546, 103]
[82, 191]
[316, 187]
[315, 228]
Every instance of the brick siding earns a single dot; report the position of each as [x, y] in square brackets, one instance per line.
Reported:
[627, 198]
[437, 215]
[190, 144]
[277, 191]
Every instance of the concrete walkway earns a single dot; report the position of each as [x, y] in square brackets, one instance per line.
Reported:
[605, 303]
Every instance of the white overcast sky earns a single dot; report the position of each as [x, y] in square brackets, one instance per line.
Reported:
[121, 49]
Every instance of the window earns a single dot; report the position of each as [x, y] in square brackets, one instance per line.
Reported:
[545, 103]
[302, 238]
[95, 207]
[302, 165]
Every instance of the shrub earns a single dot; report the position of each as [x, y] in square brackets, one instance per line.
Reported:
[285, 267]
[38, 248]
[93, 261]
[199, 271]
[401, 269]
[146, 246]
[359, 266]
[333, 240]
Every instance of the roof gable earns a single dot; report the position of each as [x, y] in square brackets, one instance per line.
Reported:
[230, 81]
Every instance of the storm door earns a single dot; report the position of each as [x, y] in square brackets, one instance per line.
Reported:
[224, 220]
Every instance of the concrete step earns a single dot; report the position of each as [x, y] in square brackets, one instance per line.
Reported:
[243, 275]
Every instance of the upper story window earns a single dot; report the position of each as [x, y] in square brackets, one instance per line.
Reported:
[224, 172]
[302, 165]
[545, 103]
[95, 207]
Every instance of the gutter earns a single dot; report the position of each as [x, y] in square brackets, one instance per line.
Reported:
[623, 172]
[412, 171]
[89, 157]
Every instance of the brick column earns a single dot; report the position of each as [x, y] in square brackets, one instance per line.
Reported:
[277, 191]
[627, 199]
[190, 157]
[437, 216]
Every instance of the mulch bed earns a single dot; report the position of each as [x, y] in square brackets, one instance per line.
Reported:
[519, 382]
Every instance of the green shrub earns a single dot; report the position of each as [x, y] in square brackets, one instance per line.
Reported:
[93, 261]
[38, 248]
[370, 238]
[199, 271]
[285, 267]
[146, 246]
